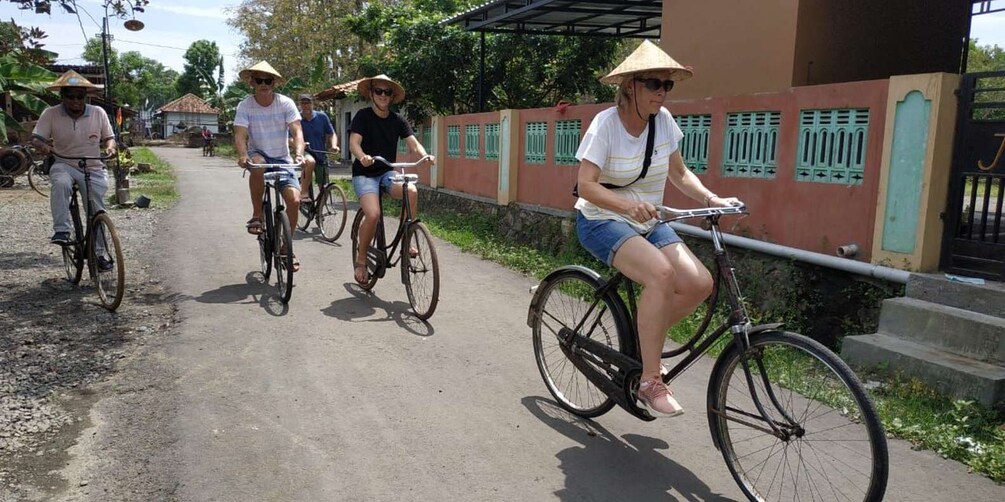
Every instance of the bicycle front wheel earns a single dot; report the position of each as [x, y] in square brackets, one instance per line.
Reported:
[306, 215]
[374, 256]
[420, 273]
[108, 269]
[284, 256]
[333, 210]
[38, 180]
[563, 301]
[830, 444]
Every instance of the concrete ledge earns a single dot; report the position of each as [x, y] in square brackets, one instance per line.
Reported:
[986, 299]
[946, 372]
[962, 332]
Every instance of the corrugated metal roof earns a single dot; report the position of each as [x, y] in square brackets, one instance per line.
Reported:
[628, 18]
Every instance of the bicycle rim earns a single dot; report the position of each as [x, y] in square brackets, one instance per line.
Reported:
[73, 262]
[106, 246]
[305, 216]
[420, 273]
[332, 212]
[38, 181]
[284, 262]
[836, 449]
[563, 303]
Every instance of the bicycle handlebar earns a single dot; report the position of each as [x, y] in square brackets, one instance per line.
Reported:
[667, 214]
[333, 153]
[252, 165]
[70, 157]
[399, 165]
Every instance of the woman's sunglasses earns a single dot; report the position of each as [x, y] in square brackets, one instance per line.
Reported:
[266, 81]
[382, 92]
[654, 84]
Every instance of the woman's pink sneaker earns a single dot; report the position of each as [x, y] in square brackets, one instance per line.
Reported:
[657, 398]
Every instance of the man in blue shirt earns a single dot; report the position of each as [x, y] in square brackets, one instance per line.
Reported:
[320, 136]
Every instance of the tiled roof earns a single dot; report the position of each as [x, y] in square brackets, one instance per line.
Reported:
[337, 91]
[189, 103]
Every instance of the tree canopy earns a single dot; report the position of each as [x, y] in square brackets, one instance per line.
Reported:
[140, 82]
[199, 76]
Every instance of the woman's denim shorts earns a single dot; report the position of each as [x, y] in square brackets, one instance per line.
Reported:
[603, 238]
[365, 184]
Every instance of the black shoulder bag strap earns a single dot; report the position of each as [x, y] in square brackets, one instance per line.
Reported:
[650, 139]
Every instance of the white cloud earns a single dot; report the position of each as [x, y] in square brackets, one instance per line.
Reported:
[184, 10]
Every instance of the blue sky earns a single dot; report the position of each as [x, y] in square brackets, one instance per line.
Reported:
[173, 25]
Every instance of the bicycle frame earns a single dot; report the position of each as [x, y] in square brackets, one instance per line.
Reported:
[404, 221]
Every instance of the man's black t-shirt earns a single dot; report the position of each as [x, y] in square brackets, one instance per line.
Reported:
[380, 138]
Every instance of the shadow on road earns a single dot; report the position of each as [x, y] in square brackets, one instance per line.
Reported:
[254, 290]
[364, 306]
[607, 467]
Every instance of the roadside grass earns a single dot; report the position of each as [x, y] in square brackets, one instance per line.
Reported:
[159, 185]
[955, 429]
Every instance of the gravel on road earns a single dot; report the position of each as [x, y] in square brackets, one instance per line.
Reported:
[56, 341]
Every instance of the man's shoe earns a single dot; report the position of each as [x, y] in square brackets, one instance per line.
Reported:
[61, 238]
[104, 264]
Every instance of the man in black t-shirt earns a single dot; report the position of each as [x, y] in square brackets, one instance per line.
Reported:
[374, 132]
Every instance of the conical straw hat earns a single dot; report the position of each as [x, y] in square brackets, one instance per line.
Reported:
[363, 87]
[647, 57]
[71, 79]
[261, 67]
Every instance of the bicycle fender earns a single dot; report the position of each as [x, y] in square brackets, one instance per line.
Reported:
[536, 299]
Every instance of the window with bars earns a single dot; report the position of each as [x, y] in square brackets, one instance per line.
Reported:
[832, 145]
[426, 137]
[492, 141]
[694, 146]
[566, 141]
[402, 147]
[535, 139]
[454, 141]
[471, 141]
[750, 149]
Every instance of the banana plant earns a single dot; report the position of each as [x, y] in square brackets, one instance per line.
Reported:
[21, 83]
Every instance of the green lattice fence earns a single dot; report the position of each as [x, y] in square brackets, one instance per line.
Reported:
[454, 141]
[566, 141]
[471, 141]
[750, 149]
[832, 145]
[492, 141]
[535, 139]
[694, 146]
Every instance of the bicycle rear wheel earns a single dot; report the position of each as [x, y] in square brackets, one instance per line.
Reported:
[563, 300]
[332, 211]
[305, 216]
[420, 273]
[38, 180]
[284, 256]
[374, 256]
[834, 447]
[108, 269]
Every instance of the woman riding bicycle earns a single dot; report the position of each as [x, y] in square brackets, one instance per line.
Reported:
[617, 199]
[374, 132]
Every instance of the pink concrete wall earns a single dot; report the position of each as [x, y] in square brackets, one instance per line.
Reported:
[812, 216]
[474, 176]
[550, 184]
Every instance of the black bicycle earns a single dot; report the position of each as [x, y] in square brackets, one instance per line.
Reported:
[275, 243]
[792, 421]
[209, 147]
[98, 245]
[420, 271]
[329, 209]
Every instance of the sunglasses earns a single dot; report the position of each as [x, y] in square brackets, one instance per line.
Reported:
[266, 81]
[77, 96]
[382, 92]
[654, 84]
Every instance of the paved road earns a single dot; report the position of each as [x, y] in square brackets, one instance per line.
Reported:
[345, 396]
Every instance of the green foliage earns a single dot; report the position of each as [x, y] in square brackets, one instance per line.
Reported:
[25, 81]
[138, 80]
[439, 65]
[198, 77]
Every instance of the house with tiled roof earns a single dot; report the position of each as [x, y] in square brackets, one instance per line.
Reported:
[187, 112]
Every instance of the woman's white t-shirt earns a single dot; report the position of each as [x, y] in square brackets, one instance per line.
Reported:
[619, 156]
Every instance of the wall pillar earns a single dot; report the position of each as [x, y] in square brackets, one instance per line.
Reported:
[914, 180]
[434, 150]
[509, 151]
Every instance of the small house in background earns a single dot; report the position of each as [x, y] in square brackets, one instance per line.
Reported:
[187, 112]
[342, 110]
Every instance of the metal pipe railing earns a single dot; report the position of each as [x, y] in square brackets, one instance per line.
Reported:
[823, 260]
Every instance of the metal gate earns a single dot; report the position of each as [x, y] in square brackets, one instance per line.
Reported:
[974, 240]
